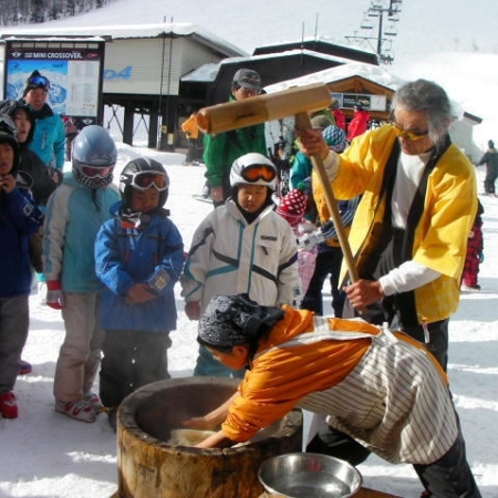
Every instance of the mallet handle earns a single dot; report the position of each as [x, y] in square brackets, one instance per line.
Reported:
[303, 122]
[255, 110]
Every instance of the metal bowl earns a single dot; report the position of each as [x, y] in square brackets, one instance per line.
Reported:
[305, 475]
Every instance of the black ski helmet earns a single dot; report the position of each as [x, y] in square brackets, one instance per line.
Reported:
[8, 134]
[134, 167]
[10, 108]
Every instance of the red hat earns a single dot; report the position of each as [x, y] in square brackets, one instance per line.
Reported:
[293, 206]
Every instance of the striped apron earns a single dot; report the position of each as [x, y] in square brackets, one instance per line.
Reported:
[394, 402]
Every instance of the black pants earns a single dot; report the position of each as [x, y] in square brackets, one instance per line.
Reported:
[490, 179]
[227, 189]
[192, 154]
[131, 359]
[448, 477]
[328, 262]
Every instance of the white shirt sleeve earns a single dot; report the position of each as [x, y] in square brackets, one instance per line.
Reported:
[406, 277]
[331, 165]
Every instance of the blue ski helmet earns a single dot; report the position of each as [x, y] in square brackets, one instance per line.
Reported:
[94, 157]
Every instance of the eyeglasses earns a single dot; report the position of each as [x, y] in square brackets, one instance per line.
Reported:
[257, 172]
[39, 81]
[96, 172]
[146, 179]
[408, 135]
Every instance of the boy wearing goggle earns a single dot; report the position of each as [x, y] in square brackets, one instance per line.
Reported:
[139, 258]
[243, 245]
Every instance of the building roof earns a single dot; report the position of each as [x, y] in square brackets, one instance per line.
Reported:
[208, 72]
[133, 31]
[323, 46]
[369, 72]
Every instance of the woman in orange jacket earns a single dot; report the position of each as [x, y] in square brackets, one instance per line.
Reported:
[384, 390]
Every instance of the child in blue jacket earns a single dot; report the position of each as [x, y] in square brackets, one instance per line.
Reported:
[19, 218]
[139, 258]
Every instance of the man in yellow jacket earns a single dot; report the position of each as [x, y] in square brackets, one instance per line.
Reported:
[409, 233]
[383, 389]
[419, 200]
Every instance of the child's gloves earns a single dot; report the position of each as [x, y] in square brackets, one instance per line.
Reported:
[55, 298]
[193, 310]
[309, 240]
[481, 257]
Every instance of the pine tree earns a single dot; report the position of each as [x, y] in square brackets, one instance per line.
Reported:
[37, 12]
[53, 11]
[71, 7]
[14, 12]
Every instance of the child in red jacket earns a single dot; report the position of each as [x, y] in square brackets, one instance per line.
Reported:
[359, 124]
[475, 255]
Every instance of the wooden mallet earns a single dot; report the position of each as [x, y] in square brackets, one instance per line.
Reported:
[298, 102]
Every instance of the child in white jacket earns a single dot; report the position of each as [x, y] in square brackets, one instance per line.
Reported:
[242, 246]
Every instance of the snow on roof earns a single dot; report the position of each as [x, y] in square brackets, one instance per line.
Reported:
[205, 73]
[368, 71]
[119, 32]
[208, 72]
[287, 53]
[9, 37]
[320, 39]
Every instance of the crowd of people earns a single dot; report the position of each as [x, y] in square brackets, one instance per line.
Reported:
[253, 274]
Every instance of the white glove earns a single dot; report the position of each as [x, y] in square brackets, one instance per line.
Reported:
[309, 240]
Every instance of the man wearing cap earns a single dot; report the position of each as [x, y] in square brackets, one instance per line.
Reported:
[221, 150]
[49, 136]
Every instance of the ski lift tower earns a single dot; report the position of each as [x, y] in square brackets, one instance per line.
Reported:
[380, 24]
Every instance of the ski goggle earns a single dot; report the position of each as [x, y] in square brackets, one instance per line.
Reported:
[408, 135]
[96, 172]
[258, 172]
[39, 82]
[146, 179]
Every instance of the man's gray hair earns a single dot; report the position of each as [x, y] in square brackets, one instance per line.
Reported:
[426, 96]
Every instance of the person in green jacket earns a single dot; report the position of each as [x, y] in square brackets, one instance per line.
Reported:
[221, 150]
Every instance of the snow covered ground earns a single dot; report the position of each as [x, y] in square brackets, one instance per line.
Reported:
[46, 455]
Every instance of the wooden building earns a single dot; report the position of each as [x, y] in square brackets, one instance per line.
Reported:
[272, 68]
[143, 67]
[374, 88]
